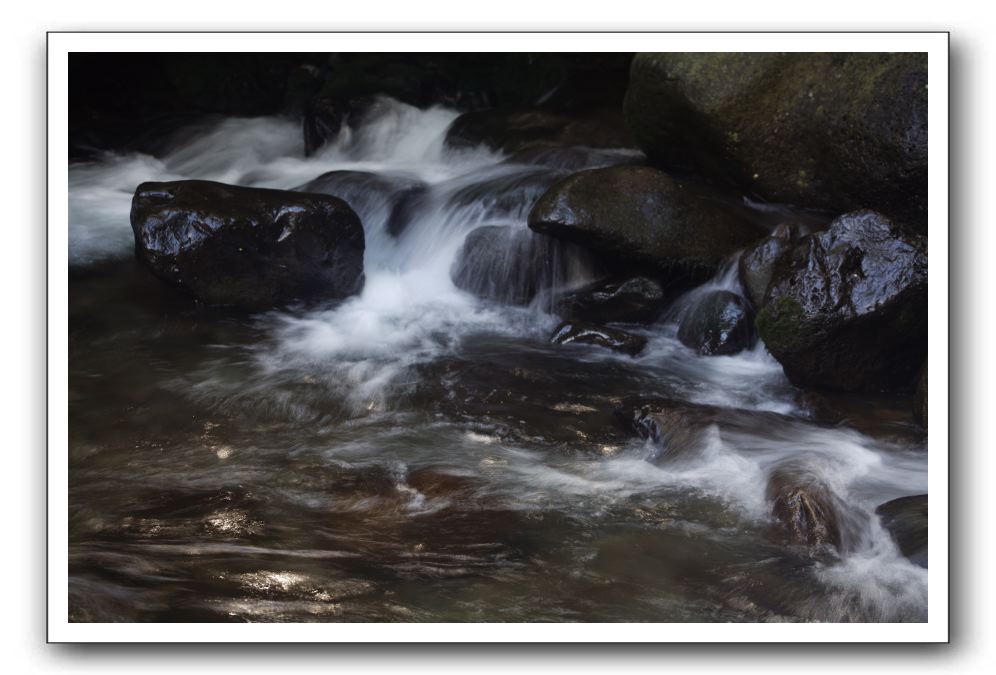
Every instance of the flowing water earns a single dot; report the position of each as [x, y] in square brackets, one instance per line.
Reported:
[418, 454]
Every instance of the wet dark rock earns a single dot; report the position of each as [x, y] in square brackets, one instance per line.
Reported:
[757, 263]
[834, 130]
[633, 300]
[247, 247]
[509, 264]
[906, 520]
[579, 332]
[512, 130]
[375, 196]
[847, 308]
[404, 208]
[807, 510]
[920, 400]
[326, 116]
[675, 428]
[721, 322]
[645, 216]
[883, 416]
[323, 120]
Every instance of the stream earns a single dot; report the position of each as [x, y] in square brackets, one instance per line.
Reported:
[416, 453]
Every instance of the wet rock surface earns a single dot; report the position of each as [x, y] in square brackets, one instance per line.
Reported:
[757, 263]
[580, 332]
[644, 216]
[509, 264]
[840, 131]
[515, 130]
[906, 520]
[809, 513]
[247, 247]
[633, 300]
[845, 307]
[720, 323]
[675, 428]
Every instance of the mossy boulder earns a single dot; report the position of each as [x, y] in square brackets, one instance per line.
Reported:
[846, 308]
[641, 215]
[834, 130]
[248, 247]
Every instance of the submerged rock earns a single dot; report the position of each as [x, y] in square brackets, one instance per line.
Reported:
[389, 197]
[579, 332]
[511, 264]
[634, 300]
[834, 130]
[757, 263]
[920, 400]
[512, 130]
[847, 308]
[719, 323]
[805, 507]
[675, 428]
[247, 247]
[906, 520]
[575, 158]
[507, 193]
[642, 215]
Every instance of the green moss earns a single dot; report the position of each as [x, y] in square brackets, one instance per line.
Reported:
[782, 323]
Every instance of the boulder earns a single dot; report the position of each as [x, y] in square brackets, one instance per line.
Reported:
[247, 247]
[757, 263]
[920, 400]
[719, 323]
[806, 509]
[580, 332]
[834, 130]
[644, 216]
[632, 300]
[512, 130]
[906, 521]
[846, 308]
[509, 264]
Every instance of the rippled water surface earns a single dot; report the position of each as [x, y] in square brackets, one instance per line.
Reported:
[418, 454]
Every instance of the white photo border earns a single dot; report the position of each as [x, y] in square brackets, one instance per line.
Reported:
[60, 44]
